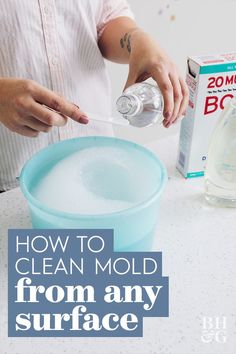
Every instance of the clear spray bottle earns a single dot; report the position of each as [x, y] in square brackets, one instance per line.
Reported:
[220, 175]
[141, 104]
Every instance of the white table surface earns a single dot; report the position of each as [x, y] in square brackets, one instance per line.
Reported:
[199, 256]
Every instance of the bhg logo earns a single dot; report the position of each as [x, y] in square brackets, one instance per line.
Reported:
[213, 329]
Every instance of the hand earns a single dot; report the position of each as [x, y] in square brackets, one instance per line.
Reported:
[28, 108]
[146, 60]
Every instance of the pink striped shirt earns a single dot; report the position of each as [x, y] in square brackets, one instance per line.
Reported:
[54, 42]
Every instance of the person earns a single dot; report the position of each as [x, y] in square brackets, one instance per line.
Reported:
[52, 71]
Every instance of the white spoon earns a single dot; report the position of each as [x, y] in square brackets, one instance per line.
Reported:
[105, 119]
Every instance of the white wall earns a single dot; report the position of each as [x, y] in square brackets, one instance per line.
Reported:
[182, 27]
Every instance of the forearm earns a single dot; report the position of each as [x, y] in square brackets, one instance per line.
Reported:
[115, 42]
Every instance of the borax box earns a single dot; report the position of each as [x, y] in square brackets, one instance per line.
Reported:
[212, 83]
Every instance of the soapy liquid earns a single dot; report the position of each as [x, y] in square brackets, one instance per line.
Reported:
[96, 181]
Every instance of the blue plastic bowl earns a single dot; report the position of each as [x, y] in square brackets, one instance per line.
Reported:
[134, 228]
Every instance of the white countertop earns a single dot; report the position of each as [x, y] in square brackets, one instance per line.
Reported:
[199, 256]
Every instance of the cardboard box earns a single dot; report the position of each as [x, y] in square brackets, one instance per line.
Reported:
[212, 83]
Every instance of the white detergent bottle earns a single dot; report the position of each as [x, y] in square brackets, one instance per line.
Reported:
[141, 104]
[220, 175]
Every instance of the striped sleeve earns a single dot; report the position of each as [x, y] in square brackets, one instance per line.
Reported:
[110, 10]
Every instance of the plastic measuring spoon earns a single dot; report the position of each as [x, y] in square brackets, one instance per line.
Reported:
[106, 119]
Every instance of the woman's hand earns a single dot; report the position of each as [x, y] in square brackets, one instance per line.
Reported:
[28, 108]
[146, 60]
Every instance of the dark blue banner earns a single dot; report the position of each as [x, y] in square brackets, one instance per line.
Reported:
[71, 283]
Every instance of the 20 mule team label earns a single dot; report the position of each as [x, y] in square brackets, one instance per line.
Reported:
[72, 283]
[212, 83]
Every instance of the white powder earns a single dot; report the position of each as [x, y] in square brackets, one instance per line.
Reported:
[96, 180]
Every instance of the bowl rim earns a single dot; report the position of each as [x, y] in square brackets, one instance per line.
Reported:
[66, 215]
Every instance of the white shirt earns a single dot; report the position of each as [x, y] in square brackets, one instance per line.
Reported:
[54, 42]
